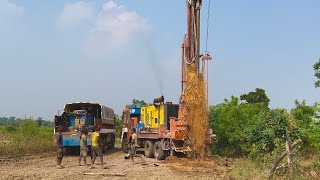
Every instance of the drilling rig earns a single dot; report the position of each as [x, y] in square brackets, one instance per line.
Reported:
[164, 128]
[193, 107]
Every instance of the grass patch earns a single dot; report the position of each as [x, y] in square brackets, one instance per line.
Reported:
[244, 168]
[26, 138]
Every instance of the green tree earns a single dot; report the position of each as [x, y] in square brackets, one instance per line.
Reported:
[316, 68]
[259, 96]
[136, 101]
[13, 121]
[233, 123]
[39, 121]
[308, 125]
[303, 113]
[29, 128]
[271, 131]
[311, 136]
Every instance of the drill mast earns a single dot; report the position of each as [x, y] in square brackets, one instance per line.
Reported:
[190, 48]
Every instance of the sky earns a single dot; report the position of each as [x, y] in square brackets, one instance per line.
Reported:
[114, 51]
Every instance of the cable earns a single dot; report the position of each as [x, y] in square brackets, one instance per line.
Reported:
[208, 18]
[208, 25]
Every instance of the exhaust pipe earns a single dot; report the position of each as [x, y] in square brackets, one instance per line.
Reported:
[158, 100]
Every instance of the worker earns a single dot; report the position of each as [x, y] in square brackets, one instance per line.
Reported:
[133, 144]
[139, 126]
[96, 149]
[83, 147]
[59, 144]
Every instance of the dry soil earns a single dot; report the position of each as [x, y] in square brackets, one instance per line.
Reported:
[44, 167]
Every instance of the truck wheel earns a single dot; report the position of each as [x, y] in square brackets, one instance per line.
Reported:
[148, 149]
[111, 144]
[64, 151]
[158, 151]
[104, 148]
[125, 145]
[103, 144]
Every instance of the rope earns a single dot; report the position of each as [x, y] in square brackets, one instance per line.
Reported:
[208, 18]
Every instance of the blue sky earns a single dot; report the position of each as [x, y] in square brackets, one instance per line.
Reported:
[55, 52]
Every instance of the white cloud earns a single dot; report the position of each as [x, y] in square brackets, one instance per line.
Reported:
[7, 7]
[115, 27]
[110, 5]
[75, 14]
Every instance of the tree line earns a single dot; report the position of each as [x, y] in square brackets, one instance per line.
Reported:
[14, 121]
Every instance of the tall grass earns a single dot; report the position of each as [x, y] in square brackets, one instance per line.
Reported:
[26, 138]
[245, 168]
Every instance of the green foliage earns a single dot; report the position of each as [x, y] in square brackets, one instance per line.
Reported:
[28, 128]
[11, 129]
[311, 136]
[316, 68]
[308, 125]
[118, 122]
[253, 130]
[259, 96]
[26, 138]
[136, 101]
[13, 121]
[234, 123]
[303, 113]
[270, 133]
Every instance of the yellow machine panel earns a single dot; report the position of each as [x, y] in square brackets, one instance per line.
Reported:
[152, 116]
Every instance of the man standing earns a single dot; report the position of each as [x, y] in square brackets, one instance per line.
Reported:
[133, 143]
[59, 143]
[139, 126]
[96, 149]
[83, 147]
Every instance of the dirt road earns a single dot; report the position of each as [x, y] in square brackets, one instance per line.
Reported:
[43, 167]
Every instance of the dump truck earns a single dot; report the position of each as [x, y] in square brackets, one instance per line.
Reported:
[79, 116]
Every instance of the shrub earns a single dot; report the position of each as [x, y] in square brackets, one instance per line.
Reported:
[27, 138]
[234, 123]
[271, 131]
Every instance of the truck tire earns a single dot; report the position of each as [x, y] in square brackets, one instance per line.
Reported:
[103, 144]
[104, 148]
[125, 145]
[158, 151]
[111, 144]
[64, 151]
[148, 149]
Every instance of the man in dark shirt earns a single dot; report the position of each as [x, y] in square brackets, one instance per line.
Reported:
[59, 143]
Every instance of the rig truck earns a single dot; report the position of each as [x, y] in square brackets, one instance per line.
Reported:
[160, 133]
[163, 128]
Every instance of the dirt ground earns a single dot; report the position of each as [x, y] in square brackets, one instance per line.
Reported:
[44, 167]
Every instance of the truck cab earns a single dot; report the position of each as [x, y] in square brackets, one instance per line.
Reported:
[130, 119]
